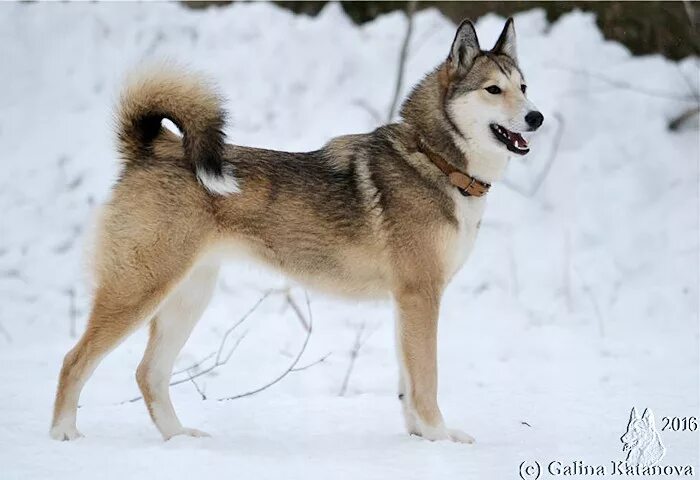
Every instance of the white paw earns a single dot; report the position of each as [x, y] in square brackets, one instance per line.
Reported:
[64, 433]
[190, 432]
[459, 436]
[432, 434]
[443, 433]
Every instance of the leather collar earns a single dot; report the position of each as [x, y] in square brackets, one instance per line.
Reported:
[466, 184]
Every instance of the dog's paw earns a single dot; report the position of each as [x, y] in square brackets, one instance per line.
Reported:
[430, 433]
[459, 436]
[64, 433]
[189, 432]
[443, 433]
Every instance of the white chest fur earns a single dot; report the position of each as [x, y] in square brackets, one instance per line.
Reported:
[468, 211]
[487, 165]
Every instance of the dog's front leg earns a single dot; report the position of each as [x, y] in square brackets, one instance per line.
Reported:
[418, 308]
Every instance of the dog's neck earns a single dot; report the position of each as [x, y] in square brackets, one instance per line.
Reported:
[484, 164]
[425, 113]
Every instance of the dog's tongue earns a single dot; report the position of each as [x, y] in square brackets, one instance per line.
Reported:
[518, 140]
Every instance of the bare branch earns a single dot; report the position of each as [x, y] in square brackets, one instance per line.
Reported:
[297, 311]
[354, 353]
[200, 373]
[315, 362]
[410, 10]
[220, 358]
[678, 122]
[290, 368]
[217, 364]
[199, 390]
[195, 366]
[235, 325]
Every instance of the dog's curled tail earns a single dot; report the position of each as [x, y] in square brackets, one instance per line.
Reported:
[192, 105]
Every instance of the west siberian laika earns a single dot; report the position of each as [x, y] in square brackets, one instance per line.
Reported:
[393, 212]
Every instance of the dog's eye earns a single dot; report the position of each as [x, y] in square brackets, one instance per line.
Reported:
[523, 88]
[493, 90]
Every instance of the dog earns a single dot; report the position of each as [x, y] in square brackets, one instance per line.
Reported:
[642, 441]
[391, 213]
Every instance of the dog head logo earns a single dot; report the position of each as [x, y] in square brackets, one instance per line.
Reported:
[642, 441]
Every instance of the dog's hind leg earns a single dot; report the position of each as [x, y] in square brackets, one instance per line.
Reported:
[141, 257]
[170, 329]
[110, 322]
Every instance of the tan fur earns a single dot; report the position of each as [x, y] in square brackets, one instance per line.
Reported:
[366, 216]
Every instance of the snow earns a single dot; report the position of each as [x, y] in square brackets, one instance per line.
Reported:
[579, 302]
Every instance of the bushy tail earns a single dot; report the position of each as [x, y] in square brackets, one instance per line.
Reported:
[193, 106]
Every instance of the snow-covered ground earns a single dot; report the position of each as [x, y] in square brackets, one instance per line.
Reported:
[579, 302]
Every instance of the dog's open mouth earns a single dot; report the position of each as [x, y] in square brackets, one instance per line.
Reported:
[513, 141]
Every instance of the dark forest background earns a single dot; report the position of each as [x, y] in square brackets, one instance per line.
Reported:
[669, 28]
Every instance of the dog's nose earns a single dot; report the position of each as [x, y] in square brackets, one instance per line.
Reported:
[534, 119]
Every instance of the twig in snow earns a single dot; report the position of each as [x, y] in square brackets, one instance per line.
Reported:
[290, 368]
[219, 362]
[220, 358]
[315, 362]
[410, 10]
[199, 390]
[297, 311]
[195, 366]
[678, 122]
[209, 369]
[354, 353]
[235, 325]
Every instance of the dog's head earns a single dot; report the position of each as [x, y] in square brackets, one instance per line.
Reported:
[641, 440]
[485, 92]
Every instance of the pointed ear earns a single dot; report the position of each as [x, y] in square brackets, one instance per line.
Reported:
[505, 45]
[634, 415]
[648, 417]
[465, 48]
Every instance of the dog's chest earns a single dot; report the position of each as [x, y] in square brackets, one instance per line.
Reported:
[468, 212]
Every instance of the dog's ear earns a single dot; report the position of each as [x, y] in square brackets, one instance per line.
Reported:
[634, 415]
[465, 48]
[648, 418]
[505, 45]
